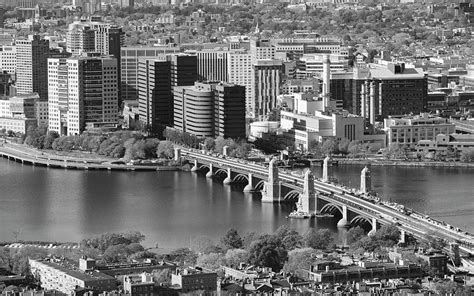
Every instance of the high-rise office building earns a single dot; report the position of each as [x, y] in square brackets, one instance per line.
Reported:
[213, 65]
[32, 66]
[80, 38]
[129, 66]
[155, 102]
[240, 73]
[266, 78]
[157, 79]
[83, 90]
[210, 109]
[393, 90]
[8, 59]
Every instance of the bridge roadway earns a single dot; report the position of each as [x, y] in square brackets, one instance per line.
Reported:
[339, 195]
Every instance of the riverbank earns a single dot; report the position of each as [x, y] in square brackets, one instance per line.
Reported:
[26, 155]
[378, 162]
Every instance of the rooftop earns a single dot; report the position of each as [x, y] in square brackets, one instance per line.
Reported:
[72, 270]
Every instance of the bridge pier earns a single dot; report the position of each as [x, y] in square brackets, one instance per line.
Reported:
[249, 187]
[325, 169]
[343, 222]
[307, 200]
[195, 168]
[209, 174]
[402, 236]
[271, 188]
[228, 179]
[365, 181]
[224, 150]
[374, 227]
[177, 154]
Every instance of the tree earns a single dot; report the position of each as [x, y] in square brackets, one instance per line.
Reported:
[231, 240]
[329, 147]
[431, 240]
[203, 244]
[395, 151]
[300, 259]
[343, 146]
[355, 234]
[233, 257]
[268, 251]
[387, 235]
[212, 261]
[165, 150]
[318, 239]
[467, 155]
[183, 256]
[290, 238]
[354, 148]
[49, 139]
[209, 144]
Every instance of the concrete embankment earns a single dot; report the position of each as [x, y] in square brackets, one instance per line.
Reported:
[405, 163]
[78, 164]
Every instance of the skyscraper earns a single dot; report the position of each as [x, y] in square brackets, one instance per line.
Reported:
[240, 73]
[210, 109]
[32, 66]
[157, 79]
[155, 102]
[83, 90]
[266, 78]
[212, 65]
[80, 38]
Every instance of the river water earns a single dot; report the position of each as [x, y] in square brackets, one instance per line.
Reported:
[173, 209]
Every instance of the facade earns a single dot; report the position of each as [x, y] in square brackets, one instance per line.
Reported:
[130, 57]
[261, 50]
[32, 66]
[240, 73]
[155, 93]
[83, 89]
[213, 65]
[65, 277]
[292, 86]
[191, 279]
[411, 129]
[19, 113]
[8, 59]
[80, 38]
[266, 79]
[139, 285]
[312, 65]
[444, 142]
[157, 79]
[393, 90]
[210, 110]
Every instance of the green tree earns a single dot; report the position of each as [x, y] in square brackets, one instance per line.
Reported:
[387, 235]
[49, 139]
[290, 238]
[355, 234]
[233, 257]
[467, 155]
[165, 150]
[300, 259]
[329, 147]
[209, 144]
[212, 261]
[318, 239]
[268, 251]
[343, 146]
[231, 240]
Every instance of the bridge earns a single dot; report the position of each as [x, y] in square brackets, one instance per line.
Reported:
[465, 126]
[321, 195]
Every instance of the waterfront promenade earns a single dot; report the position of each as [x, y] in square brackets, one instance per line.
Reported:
[26, 155]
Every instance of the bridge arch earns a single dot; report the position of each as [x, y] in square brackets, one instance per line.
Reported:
[330, 208]
[240, 178]
[359, 219]
[204, 166]
[221, 172]
[259, 185]
[293, 194]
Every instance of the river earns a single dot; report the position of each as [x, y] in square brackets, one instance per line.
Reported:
[174, 209]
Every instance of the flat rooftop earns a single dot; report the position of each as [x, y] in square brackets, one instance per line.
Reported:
[72, 270]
